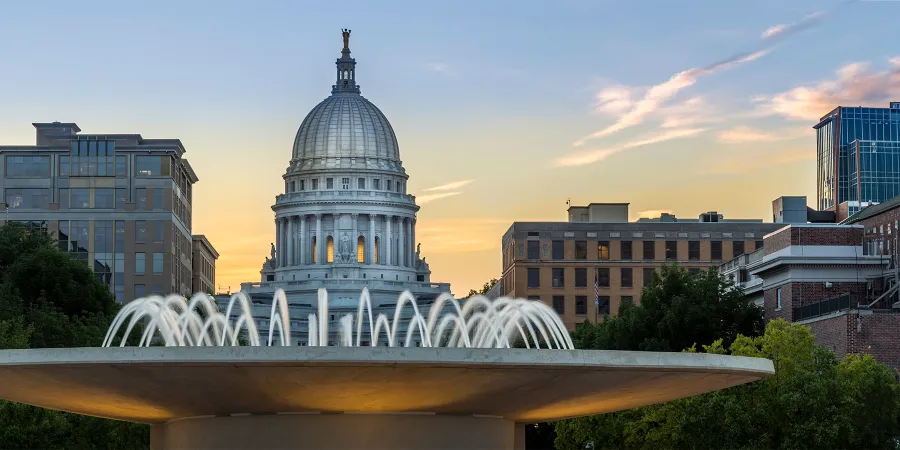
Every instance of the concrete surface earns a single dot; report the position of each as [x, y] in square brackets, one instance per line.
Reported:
[158, 384]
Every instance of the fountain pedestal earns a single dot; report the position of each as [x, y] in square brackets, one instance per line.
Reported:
[339, 432]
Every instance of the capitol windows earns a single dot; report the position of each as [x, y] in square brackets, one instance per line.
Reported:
[345, 183]
[302, 185]
[387, 185]
[360, 183]
[361, 250]
[376, 184]
[314, 252]
[315, 184]
[293, 186]
[329, 183]
[375, 252]
[329, 257]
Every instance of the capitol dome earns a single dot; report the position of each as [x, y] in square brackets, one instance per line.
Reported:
[345, 131]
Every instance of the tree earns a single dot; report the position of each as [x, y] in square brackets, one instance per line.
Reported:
[484, 289]
[678, 309]
[812, 401]
[48, 299]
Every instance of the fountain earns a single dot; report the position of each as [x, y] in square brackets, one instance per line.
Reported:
[480, 323]
[200, 385]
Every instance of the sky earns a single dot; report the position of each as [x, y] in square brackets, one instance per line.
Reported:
[503, 109]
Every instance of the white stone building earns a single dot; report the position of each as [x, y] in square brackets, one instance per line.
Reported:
[345, 220]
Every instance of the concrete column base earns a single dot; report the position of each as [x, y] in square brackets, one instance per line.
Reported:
[338, 431]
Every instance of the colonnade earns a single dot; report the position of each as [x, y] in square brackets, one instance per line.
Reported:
[295, 240]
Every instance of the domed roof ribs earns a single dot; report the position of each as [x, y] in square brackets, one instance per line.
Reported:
[346, 70]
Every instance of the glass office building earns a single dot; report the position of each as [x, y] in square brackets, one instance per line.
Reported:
[856, 148]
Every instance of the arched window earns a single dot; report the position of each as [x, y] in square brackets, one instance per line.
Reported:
[375, 252]
[315, 253]
[361, 250]
[330, 256]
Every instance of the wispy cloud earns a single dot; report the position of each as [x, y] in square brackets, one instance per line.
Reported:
[449, 186]
[423, 199]
[582, 158]
[437, 67]
[854, 84]
[620, 100]
[743, 134]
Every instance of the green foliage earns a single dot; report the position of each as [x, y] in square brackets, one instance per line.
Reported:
[812, 401]
[678, 309]
[484, 289]
[47, 300]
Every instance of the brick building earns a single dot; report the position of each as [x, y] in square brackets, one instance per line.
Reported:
[559, 263]
[819, 275]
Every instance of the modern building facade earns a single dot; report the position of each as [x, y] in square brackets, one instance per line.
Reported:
[560, 263]
[118, 202]
[858, 156]
[345, 221]
[819, 275]
[203, 258]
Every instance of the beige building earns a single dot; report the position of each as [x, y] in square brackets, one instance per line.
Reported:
[118, 202]
[204, 261]
[586, 267]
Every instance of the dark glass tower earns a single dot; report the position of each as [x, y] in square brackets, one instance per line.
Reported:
[858, 155]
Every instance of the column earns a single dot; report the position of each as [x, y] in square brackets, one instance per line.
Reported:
[335, 239]
[371, 241]
[290, 241]
[277, 242]
[302, 240]
[387, 239]
[320, 243]
[415, 245]
[354, 241]
[401, 236]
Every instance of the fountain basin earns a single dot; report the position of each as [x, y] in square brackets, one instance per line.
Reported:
[299, 397]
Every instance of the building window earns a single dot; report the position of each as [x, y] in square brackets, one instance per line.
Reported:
[92, 158]
[345, 183]
[27, 198]
[360, 183]
[121, 166]
[580, 277]
[329, 255]
[649, 250]
[315, 253]
[63, 198]
[559, 304]
[376, 184]
[778, 299]
[140, 263]
[625, 251]
[81, 198]
[602, 249]
[558, 277]
[580, 305]
[375, 251]
[603, 305]
[27, 167]
[158, 195]
[140, 199]
[329, 183]
[580, 249]
[694, 270]
[360, 250]
[139, 291]
[627, 277]
[558, 249]
[626, 300]
[648, 275]
[603, 277]
[315, 184]
[738, 248]
[104, 198]
[302, 185]
[64, 167]
[140, 230]
[148, 166]
[534, 250]
[671, 250]
[159, 230]
[387, 185]
[157, 263]
[693, 250]
[758, 245]
[534, 278]
[715, 250]
[121, 198]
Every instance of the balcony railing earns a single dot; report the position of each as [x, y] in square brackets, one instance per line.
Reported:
[841, 302]
[326, 282]
[337, 195]
[742, 261]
